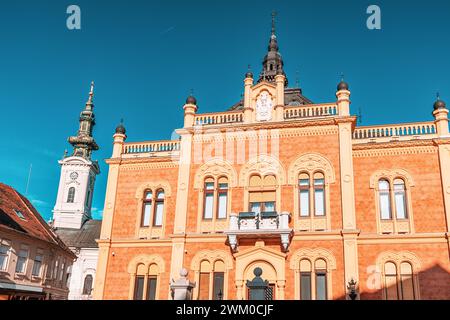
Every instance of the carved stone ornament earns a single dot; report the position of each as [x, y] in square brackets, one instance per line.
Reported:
[264, 107]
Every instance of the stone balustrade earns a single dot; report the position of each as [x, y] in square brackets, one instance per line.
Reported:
[397, 131]
[218, 118]
[310, 111]
[154, 146]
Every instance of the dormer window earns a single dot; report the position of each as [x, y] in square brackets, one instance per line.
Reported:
[19, 214]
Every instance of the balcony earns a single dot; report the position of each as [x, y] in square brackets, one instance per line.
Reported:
[259, 225]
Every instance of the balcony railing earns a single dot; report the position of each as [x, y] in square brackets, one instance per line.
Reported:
[264, 224]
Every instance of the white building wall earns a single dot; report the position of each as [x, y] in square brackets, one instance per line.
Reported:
[85, 264]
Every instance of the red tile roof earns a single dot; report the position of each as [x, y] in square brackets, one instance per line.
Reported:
[33, 224]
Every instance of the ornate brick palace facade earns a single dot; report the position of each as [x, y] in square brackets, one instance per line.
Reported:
[284, 184]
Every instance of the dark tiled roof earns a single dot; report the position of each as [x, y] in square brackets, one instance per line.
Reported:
[81, 238]
[292, 97]
[32, 223]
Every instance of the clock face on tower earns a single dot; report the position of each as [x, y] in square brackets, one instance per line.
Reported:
[74, 176]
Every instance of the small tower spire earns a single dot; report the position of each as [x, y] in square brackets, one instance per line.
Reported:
[272, 62]
[83, 143]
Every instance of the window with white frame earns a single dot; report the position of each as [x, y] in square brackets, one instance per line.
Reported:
[215, 202]
[37, 264]
[153, 208]
[22, 259]
[5, 248]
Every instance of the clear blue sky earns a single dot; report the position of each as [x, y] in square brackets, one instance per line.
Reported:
[146, 56]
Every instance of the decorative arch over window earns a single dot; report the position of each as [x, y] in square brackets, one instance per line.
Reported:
[215, 168]
[310, 163]
[393, 205]
[211, 268]
[264, 165]
[399, 275]
[313, 273]
[145, 271]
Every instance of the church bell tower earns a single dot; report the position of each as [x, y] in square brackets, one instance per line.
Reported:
[78, 173]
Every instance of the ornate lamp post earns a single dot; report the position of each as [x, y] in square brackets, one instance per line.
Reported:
[351, 286]
[220, 295]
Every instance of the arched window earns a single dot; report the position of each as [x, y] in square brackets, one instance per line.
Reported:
[203, 286]
[211, 280]
[262, 195]
[407, 281]
[313, 285]
[321, 279]
[147, 208]
[400, 199]
[385, 199]
[208, 206]
[87, 287]
[222, 198]
[319, 194]
[71, 195]
[159, 208]
[390, 281]
[305, 279]
[304, 193]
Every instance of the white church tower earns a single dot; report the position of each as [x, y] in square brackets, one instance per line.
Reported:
[78, 172]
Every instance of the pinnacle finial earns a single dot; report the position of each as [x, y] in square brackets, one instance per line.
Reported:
[274, 13]
[91, 93]
[438, 95]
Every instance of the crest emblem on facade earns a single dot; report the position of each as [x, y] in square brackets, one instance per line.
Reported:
[264, 107]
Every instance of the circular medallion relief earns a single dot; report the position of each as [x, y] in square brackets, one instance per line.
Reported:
[74, 176]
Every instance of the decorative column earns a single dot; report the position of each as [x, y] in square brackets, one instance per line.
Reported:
[104, 243]
[279, 106]
[440, 114]
[248, 83]
[178, 238]
[349, 231]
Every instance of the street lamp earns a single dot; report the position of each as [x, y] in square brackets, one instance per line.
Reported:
[351, 286]
[220, 295]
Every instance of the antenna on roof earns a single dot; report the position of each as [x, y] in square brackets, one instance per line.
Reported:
[297, 80]
[28, 180]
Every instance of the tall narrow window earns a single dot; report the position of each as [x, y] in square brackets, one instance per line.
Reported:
[218, 280]
[305, 280]
[55, 269]
[71, 195]
[203, 289]
[303, 184]
[159, 208]
[87, 286]
[4, 254]
[407, 281]
[61, 273]
[37, 265]
[319, 194]
[385, 202]
[151, 288]
[139, 288]
[400, 199]
[208, 206]
[147, 209]
[22, 258]
[222, 198]
[390, 281]
[88, 198]
[321, 279]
